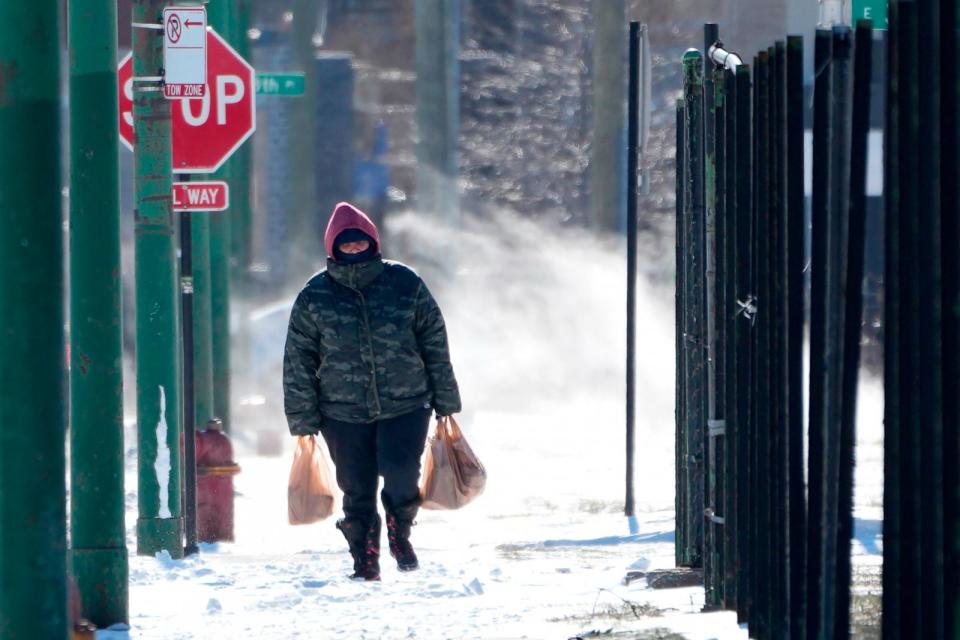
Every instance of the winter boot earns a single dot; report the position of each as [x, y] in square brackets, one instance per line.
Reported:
[399, 522]
[363, 538]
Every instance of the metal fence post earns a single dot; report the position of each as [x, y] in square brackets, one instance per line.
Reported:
[818, 260]
[680, 499]
[762, 381]
[731, 558]
[892, 462]
[743, 338]
[853, 300]
[795, 227]
[950, 192]
[694, 325]
[930, 318]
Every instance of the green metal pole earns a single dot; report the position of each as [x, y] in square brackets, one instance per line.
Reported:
[33, 565]
[96, 346]
[241, 216]
[202, 329]
[302, 146]
[160, 522]
[223, 20]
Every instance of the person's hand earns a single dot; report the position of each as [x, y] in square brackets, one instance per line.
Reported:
[304, 430]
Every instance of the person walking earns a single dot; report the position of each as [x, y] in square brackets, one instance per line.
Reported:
[366, 361]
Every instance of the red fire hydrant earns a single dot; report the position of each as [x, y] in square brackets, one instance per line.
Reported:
[215, 471]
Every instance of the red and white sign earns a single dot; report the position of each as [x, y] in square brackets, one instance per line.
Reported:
[201, 196]
[207, 130]
[184, 52]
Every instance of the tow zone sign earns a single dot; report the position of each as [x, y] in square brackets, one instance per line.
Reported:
[185, 52]
[201, 196]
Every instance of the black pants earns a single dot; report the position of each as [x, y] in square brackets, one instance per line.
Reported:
[363, 452]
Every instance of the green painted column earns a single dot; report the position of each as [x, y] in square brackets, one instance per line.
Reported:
[202, 330]
[221, 17]
[437, 24]
[33, 565]
[160, 522]
[99, 554]
[241, 213]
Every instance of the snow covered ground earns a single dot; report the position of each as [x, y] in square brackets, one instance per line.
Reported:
[536, 338]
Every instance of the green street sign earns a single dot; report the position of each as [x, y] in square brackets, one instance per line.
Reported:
[875, 10]
[281, 84]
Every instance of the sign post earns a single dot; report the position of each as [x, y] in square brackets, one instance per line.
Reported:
[184, 52]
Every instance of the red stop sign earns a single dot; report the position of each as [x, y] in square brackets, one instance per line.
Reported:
[206, 131]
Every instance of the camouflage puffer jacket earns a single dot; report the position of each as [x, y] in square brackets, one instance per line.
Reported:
[365, 342]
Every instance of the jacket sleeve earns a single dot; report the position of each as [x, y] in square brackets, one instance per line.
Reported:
[435, 352]
[300, 361]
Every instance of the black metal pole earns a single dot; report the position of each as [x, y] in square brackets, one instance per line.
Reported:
[680, 455]
[950, 230]
[762, 619]
[834, 355]
[633, 144]
[728, 295]
[695, 321]
[710, 444]
[853, 300]
[820, 201]
[930, 317]
[892, 336]
[912, 469]
[795, 226]
[743, 332]
[778, 320]
[189, 418]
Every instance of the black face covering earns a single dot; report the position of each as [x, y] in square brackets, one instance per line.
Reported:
[353, 235]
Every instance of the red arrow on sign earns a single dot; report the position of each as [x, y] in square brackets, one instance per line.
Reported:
[188, 23]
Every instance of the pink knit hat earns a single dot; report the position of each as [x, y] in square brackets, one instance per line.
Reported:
[346, 216]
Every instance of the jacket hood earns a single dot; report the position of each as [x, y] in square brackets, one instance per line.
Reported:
[346, 216]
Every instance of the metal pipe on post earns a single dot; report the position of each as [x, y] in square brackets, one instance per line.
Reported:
[33, 553]
[160, 522]
[694, 321]
[853, 296]
[633, 140]
[97, 532]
